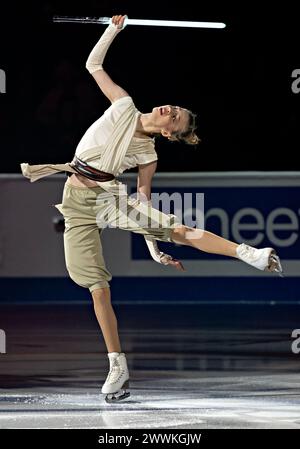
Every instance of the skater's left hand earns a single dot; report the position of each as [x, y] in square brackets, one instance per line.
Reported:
[168, 260]
[118, 21]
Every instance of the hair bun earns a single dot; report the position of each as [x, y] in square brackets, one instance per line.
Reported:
[192, 139]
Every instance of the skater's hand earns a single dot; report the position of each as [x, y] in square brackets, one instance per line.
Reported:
[118, 21]
[168, 260]
[177, 264]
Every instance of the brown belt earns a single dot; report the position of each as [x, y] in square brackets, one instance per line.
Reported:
[89, 172]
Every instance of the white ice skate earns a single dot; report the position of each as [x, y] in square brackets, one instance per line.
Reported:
[118, 378]
[263, 259]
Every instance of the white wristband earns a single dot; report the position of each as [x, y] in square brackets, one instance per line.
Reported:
[153, 248]
[97, 55]
[156, 254]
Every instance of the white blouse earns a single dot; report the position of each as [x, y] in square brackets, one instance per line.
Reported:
[140, 150]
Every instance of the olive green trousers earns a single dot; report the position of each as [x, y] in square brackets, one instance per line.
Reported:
[87, 211]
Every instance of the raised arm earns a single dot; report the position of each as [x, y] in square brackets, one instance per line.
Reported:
[95, 60]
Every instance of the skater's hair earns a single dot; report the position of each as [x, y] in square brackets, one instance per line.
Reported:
[188, 136]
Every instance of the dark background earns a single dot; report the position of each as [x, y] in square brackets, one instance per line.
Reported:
[237, 80]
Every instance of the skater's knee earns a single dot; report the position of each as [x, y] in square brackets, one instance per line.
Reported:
[88, 276]
[185, 234]
[101, 295]
[180, 233]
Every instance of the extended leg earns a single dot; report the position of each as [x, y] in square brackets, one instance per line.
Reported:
[204, 240]
[262, 259]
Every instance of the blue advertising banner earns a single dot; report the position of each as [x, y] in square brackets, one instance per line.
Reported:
[258, 216]
[258, 208]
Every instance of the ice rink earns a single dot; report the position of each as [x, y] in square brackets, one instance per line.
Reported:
[193, 367]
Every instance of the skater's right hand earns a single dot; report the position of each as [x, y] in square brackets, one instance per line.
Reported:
[177, 264]
[118, 21]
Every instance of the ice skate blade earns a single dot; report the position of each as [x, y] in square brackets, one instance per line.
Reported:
[113, 398]
[110, 398]
[274, 264]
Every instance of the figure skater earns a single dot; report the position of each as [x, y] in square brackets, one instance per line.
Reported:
[123, 138]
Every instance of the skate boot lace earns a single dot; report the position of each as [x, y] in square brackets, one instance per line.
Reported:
[115, 372]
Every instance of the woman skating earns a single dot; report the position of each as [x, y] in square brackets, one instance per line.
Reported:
[93, 198]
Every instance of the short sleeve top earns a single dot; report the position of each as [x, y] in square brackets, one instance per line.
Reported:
[140, 151]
